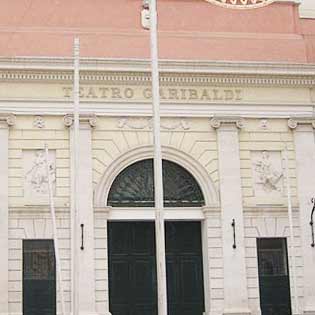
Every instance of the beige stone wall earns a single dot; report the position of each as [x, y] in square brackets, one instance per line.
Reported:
[31, 219]
[114, 137]
[214, 266]
[101, 263]
[36, 225]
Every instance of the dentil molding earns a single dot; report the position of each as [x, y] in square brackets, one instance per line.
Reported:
[169, 79]
[137, 72]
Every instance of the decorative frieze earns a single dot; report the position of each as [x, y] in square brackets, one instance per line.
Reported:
[146, 123]
[138, 72]
[142, 78]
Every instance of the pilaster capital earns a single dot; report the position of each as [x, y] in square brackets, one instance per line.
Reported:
[91, 120]
[293, 123]
[7, 120]
[216, 122]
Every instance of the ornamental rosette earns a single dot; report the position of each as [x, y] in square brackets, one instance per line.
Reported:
[241, 4]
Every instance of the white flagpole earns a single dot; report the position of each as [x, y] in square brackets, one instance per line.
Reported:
[290, 215]
[74, 198]
[158, 179]
[56, 246]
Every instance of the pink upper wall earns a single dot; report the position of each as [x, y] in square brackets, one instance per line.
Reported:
[188, 30]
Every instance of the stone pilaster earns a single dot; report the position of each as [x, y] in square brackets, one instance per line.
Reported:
[212, 263]
[5, 122]
[303, 130]
[104, 211]
[85, 284]
[235, 282]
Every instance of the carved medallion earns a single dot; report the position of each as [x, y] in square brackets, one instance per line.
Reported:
[264, 124]
[39, 122]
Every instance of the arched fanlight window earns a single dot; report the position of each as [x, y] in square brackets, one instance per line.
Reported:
[133, 187]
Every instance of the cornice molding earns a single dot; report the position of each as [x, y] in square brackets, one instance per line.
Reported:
[137, 72]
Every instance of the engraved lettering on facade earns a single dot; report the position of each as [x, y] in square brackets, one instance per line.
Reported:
[166, 94]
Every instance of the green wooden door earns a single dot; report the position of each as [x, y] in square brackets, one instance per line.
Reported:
[39, 277]
[132, 274]
[132, 270]
[274, 283]
[184, 268]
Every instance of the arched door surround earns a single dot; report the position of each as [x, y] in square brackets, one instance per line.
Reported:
[182, 159]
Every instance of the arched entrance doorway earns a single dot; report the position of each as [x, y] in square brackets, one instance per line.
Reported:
[131, 244]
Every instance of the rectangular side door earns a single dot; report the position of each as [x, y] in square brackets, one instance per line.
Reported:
[39, 277]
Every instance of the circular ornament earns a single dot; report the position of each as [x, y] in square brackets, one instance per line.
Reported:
[292, 123]
[68, 120]
[241, 4]
[11, 120]
[240, 123]
[215, 123]
[93, 121]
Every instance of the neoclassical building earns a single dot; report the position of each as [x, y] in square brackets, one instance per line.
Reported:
[237, 129]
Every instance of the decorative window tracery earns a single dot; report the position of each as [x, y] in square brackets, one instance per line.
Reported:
[134, 186]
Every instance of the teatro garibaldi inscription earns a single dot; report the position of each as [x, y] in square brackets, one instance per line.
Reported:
[212, 94]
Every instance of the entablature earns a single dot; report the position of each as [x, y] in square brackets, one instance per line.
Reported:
[137, 72]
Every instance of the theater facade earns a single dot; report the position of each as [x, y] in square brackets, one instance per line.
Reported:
[225, 138]
[238, 154]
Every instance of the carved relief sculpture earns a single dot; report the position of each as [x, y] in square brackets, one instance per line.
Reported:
[35, 173]
[267, 172]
